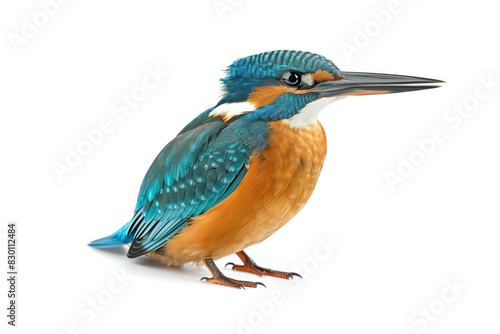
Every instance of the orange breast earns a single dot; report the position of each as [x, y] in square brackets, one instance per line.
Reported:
[279, 181]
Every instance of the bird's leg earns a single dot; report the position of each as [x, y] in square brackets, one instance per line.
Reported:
[251, 267]
[219, 278]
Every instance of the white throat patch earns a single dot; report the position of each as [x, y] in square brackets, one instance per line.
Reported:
[229, 110]
[309, 114]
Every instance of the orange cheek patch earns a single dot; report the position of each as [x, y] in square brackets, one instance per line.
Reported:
[321, 76]
[264, 95]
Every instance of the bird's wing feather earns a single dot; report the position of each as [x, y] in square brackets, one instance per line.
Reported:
[194, 172]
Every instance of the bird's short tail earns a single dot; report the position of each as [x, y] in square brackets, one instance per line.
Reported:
[118, 238]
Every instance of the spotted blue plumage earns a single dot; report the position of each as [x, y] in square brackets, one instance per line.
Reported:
[274, 63]
[194, 172]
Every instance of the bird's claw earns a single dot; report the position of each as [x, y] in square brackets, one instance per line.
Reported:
[255, 269]
[295, 274]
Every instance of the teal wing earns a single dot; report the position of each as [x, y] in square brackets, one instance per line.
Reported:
[194, 172]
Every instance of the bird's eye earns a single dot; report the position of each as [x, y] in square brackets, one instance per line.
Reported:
[291, 78]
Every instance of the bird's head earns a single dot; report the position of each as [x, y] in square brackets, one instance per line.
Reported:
[295, 86]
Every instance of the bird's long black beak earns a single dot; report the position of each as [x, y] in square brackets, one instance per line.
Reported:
[361, 83]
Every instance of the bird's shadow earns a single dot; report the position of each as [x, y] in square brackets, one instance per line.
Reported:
[148, 262]
[115, 251]
[183, 270]
[141, 261]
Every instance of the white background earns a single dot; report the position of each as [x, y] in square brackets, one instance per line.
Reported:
[396, 249]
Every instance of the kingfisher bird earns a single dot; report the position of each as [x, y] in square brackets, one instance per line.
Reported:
[242, 169]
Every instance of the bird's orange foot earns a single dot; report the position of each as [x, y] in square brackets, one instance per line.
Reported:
[226, 281]
[250, 266]
[219, 278]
